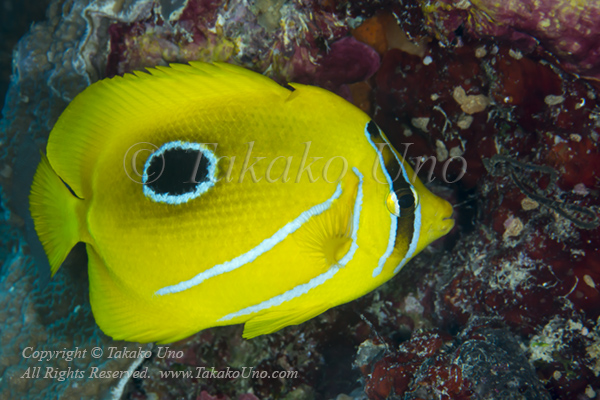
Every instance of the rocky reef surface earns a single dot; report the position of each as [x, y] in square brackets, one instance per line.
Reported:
[503, 94]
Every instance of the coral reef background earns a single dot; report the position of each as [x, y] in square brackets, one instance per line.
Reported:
[505, 306]
[15, 19]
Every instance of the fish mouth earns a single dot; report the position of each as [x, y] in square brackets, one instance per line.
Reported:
[447, 224]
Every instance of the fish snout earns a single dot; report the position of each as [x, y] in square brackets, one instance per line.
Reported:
[444, 215]
[447, 224]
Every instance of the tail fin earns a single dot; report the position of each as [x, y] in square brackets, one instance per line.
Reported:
[53, 209]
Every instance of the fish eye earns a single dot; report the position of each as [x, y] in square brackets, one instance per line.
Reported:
[402, 200]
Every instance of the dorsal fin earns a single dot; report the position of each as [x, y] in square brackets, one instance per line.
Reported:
[107, 109]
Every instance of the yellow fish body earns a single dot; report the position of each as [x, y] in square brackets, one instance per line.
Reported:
[210, 195]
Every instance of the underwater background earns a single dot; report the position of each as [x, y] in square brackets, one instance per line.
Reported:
[506, 306]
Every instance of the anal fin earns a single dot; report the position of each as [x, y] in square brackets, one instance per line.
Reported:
[121, 314]
[272, 321]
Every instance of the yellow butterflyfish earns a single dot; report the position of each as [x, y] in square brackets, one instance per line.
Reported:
[209, 195]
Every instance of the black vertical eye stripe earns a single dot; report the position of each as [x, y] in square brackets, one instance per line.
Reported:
[402, 189]
[399, 185]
